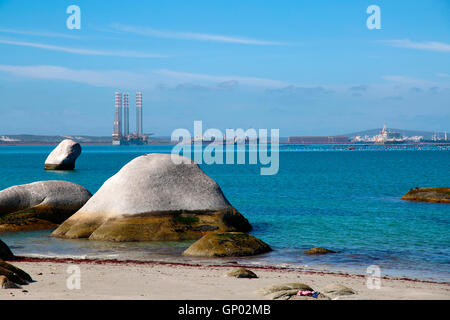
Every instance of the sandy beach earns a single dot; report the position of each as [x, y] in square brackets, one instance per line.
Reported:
[153, 280]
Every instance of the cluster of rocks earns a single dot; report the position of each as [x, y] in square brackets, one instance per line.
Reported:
[289, 291]
[153, 197]
[10, 276]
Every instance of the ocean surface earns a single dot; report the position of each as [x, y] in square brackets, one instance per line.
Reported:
[344, 198]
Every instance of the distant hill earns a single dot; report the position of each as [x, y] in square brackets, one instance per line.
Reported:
[31, 139]
[408, 133]
[40, 139]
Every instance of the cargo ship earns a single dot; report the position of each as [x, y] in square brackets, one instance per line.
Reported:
[388, 137]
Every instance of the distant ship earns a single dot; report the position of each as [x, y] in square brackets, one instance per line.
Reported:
[388, 137]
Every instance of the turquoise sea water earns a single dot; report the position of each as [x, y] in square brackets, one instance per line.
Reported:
[341, 198]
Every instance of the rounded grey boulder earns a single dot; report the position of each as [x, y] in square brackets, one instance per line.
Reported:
[63, 156]
[40, 205]
[155, 197]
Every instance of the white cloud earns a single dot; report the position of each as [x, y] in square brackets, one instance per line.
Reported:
[250, 81]
[150, 32]
[115, 78]
[39, 33]
[44, 46]
[405, 80]
[428, 45]
[96, 78]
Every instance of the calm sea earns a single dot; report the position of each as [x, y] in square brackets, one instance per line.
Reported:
[341, 198]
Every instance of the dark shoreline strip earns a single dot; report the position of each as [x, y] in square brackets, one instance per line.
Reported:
[269, 268]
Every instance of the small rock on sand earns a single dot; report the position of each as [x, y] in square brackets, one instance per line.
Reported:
[241, 273]
[336, 289]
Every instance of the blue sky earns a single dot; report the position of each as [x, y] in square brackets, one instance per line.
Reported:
[305, 67]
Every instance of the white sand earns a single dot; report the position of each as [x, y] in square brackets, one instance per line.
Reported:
[155, 281]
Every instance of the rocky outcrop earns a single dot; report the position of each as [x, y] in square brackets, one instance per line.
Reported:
[227, 244]
[441, 195]
[318, 251]
[241, 273]
[40, 205]
[5, 252]
[63, 156]
[14, 276]
[155, 197]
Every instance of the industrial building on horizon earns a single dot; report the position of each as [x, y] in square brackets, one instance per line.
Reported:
[121, 131]
[319, 139]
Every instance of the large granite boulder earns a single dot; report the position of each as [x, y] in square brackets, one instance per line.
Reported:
[5, 252]
[227, 244]
[63, 156]
[40, 205]
[154, 198]
[437, 194]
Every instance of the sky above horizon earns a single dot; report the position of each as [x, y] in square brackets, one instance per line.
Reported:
[304, 67]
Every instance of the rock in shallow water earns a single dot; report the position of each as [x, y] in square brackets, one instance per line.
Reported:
[227, 244]
[153, 198]
[441, 195]
[63, 157]
[40, 205]
[318, 251]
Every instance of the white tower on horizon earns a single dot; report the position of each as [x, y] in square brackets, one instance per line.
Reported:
[126, 115]
[117, 132]
[139, 129]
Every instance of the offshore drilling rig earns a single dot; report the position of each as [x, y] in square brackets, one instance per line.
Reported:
[121, 131]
